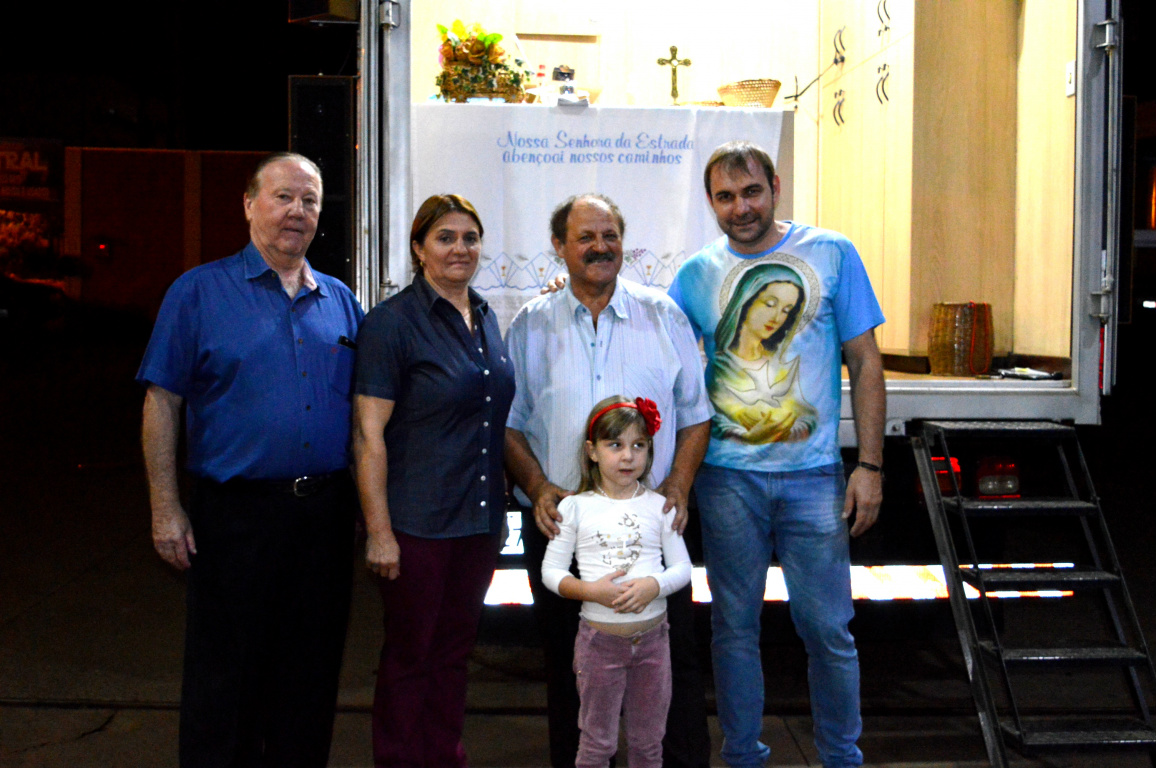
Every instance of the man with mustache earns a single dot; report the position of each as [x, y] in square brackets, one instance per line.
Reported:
[770, 490]
[255, 349]
[603, 336]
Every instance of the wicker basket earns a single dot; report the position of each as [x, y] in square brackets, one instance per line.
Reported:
[959, 339]
[750, 93]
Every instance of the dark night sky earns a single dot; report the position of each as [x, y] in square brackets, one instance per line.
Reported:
[1139, 20]
[210, 75]
[161, 75]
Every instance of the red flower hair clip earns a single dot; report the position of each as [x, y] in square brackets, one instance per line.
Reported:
[649, 410]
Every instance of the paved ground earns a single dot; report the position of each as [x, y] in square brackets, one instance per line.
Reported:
[91, 620]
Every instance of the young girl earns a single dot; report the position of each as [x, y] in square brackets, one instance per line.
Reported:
[615, 526]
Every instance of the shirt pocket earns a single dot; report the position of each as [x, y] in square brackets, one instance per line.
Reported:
[650, 381]
[339, 361]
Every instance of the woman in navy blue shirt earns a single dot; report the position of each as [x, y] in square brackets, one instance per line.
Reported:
[433, 387]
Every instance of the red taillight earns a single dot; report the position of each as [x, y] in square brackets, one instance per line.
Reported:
[997, 477]
[939, 464]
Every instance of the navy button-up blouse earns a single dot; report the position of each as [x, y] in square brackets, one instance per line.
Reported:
[451, 391]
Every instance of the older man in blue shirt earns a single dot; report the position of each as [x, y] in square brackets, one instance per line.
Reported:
[603, 336]
[257, 349]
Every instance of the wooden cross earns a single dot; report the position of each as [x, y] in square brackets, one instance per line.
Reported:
[674, 62]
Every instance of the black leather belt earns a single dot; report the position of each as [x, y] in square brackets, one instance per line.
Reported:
[306, 485]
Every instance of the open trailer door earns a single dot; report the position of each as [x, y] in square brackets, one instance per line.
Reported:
[1079, 381]
[1087, 258]
[1104, 68]
[383, 178]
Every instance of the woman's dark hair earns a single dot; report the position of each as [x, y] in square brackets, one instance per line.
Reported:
[430, 212]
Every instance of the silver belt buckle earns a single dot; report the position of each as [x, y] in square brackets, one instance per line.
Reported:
[297, 489]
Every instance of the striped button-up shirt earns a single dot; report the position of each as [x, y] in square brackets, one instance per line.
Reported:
[643, 347]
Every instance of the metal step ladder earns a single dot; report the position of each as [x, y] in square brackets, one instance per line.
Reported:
[1022, 675]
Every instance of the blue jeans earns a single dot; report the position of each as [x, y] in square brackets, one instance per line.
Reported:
[748, 518]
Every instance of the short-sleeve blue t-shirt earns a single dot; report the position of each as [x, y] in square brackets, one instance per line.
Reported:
[773, 325]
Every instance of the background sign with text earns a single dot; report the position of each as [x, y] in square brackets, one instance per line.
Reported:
[515, 163]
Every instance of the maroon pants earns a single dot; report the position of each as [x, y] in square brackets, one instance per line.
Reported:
[431, 614]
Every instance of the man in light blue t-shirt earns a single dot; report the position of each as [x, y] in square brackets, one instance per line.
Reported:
[778, 305]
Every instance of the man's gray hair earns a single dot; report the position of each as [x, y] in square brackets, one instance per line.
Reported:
[254, 185]
[561, 215]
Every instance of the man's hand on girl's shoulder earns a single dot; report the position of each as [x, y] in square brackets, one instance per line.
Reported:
[554, 284]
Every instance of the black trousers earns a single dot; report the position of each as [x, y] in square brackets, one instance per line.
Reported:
[687, 740]
[268, 606]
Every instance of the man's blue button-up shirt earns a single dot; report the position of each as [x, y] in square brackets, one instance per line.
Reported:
[265, 379]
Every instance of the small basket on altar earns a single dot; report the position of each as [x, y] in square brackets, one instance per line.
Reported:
[750, 93]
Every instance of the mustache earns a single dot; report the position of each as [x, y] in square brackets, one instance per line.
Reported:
[597, 258]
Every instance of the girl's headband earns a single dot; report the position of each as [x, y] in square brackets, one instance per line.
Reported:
[647, 408]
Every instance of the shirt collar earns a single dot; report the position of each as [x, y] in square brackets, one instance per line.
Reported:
[429, 297]
[772, 249]
[309, 281]
[256, 266]
[618, 301]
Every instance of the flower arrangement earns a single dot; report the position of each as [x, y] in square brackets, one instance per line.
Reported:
[473, 64]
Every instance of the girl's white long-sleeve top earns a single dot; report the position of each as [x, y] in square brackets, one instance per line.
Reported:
[608, 535]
